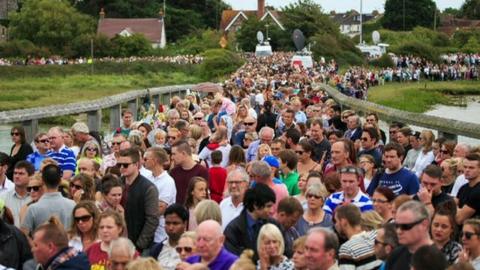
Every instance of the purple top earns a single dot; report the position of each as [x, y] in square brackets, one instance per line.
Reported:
[223, 261]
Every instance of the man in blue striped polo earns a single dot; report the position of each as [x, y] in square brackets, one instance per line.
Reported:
[61, 153]
[350, 194]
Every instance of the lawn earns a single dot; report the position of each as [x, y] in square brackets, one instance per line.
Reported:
[35, 92]
[422, 96]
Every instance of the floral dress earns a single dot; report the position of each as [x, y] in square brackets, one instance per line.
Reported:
[285, 264]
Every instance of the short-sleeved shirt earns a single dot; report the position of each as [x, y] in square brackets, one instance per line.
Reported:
[7, 185]
[470, 196]
[400, 182]
[361, 200]
[65, 157]
[36, 159]
[49, 204]
[166, 193]
[182, 179]
[223, 261]
[291, 181]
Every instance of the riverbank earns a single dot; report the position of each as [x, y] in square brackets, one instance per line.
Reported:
[422, 96]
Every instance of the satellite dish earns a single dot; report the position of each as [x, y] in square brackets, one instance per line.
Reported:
[376, 37]
[298, 39]
[260, 37]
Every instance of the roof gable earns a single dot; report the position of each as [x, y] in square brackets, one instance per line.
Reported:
[229, 17]
[150, 28]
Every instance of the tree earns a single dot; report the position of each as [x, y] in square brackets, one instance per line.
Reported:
[452, 11]
[406, 14]
[247, 34]
[472, 46]
[470, 9]
[50, 23]
[135, 44]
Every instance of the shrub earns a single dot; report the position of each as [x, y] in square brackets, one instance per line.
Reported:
[384, 61]
[339, 48]
[417, 48]
[134, 45]
[218, 63]
[17, 48]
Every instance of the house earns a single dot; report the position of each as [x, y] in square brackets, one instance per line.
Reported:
[449, 24]
[232, 19]
[6, 6]
[349, 22]
[152, 28]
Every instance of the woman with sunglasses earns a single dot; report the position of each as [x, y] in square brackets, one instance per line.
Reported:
[445, 152]
[36, 189]
[111, 226]
[186, 245]
[470, 237]
[314, 216]
[91, 150]
[443, 229]
[197, 191]
[82, 187]
[304, 150]
[20, 149]
[83, 232]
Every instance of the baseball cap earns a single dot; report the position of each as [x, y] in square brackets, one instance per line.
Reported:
[80, 127]
[272, 161]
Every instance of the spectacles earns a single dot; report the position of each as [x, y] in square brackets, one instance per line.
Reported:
[43, 141]
[83, 218]
[72, 185]
[249, 124]
[15, 134]
[468, 235]
[408, 226]
[299, 152]
[377, 242]
[33, 188]
[186, 249]
[123, 165]
[314, 196]
[379, 201]
[91, 149]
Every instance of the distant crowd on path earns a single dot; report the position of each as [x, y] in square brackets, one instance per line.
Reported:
[178, 59]
[268, 174]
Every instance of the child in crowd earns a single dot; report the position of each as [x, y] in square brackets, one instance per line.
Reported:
[218, 176]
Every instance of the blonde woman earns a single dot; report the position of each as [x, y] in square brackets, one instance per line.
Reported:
[91, 150]
[314, 216]
[263, 151]
[270, 247]
[425, 157]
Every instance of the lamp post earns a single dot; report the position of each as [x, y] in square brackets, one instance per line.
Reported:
[361, 22]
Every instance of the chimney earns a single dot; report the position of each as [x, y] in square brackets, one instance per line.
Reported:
[260, 8]
[102, 14]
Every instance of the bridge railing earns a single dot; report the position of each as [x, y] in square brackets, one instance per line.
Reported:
[447, 128]
[93, 108]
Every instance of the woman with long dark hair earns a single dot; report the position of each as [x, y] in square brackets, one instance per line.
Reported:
[20, 149]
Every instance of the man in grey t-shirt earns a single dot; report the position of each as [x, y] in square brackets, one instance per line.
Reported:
[52, 203]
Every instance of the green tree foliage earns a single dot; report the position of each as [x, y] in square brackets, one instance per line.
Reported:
[452, 11]
[135, 44]
[219, 63]
[384, 61]
[340, 48]
[470, 9]
[247, 35]
[417, 13]
[120, 8]
[462, 37]
[197, 43]
[472, 46]
[182, 22]
[53, 24]
[417, 48]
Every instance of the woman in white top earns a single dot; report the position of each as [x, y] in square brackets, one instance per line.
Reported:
[425, 157]
[83, 232]
[470, 237]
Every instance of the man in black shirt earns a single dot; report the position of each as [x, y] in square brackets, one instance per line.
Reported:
[321, 146]
[430, 192]
[469, 194]
[412, 224]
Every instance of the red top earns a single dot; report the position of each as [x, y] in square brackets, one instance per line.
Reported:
[218, 176]
[97, 257]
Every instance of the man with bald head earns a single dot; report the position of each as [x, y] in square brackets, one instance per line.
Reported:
[61, 153]
[209, 247]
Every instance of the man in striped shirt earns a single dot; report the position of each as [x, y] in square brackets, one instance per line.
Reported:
[358, 252]
[350, 194]
[60, 153]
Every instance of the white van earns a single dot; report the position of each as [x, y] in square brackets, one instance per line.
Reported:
[263, 50]
[302, 60]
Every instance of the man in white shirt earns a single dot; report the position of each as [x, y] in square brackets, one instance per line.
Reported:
[154, 158]
[232, 206]
[5, 183]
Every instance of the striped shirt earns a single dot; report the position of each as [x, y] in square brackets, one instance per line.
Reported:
[65, 158]
[358, 252]
[361, 200]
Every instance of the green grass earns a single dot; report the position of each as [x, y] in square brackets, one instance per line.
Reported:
[32, 92]
[421, 97]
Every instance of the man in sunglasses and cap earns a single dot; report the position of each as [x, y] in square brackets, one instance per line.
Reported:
[412, 225]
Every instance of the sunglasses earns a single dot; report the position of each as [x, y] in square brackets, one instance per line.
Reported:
[408, 226]
[468, 235]
[43, 141]
[314, 196]
[15, 134]
[92, 149]
[249, 124]
[123, 165]
[116, 143]
[186, 249]
[379, 242]
[299, 152]
[198, 118]
[33, 188]
[364, 139]
[83, 218]
[350, 170]
[72, 185]
[171, 137]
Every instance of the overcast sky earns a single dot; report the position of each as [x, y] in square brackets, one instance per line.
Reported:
[339, 5]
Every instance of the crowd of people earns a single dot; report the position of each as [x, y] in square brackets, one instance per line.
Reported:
[57, 60]
[268, 174]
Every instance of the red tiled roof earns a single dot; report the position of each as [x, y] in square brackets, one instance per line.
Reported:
[150, 28]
